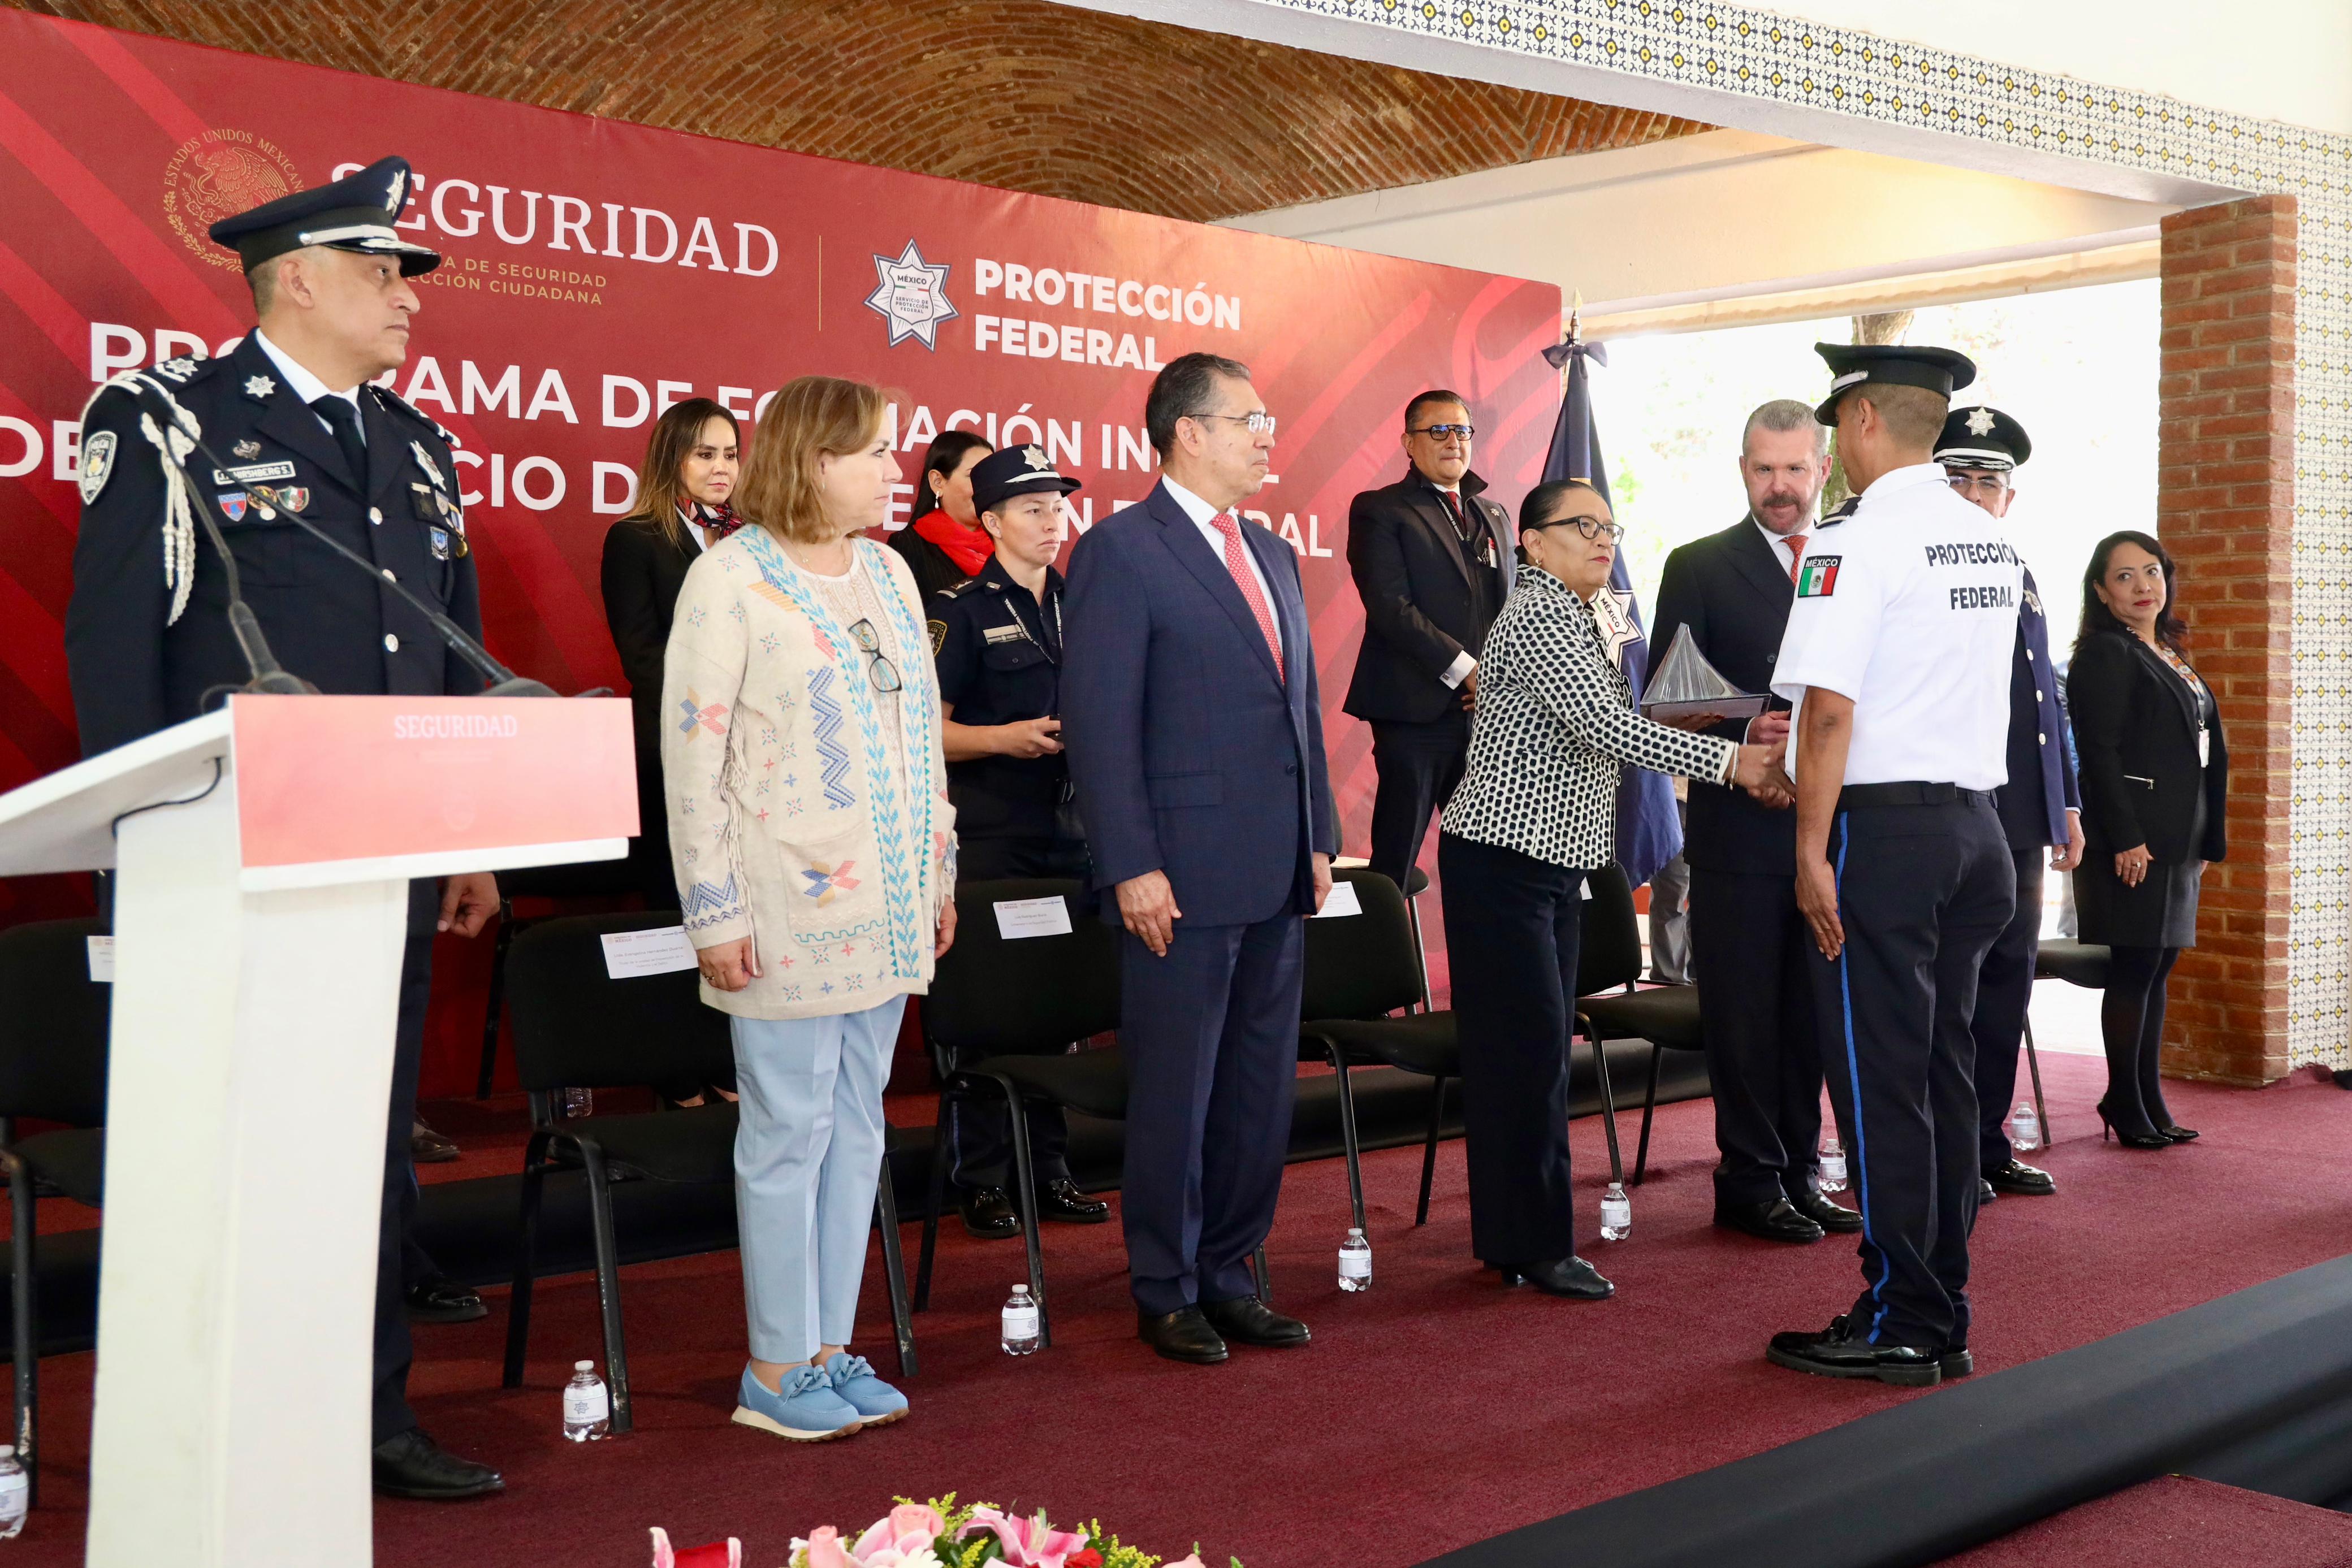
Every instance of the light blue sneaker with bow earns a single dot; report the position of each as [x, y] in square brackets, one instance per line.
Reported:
[806, 1409]
[876, 1403]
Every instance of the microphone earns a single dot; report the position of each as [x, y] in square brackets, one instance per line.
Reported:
[268, 675]
[500, 680]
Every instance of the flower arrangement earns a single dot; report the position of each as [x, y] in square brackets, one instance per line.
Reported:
[941, 1534]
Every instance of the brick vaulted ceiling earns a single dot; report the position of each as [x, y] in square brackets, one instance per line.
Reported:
[1022, 94]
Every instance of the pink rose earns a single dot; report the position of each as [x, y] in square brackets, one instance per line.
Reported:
[916, 1518]
[825, 1549]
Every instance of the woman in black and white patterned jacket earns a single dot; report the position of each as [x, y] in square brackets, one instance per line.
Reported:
[1535, 810]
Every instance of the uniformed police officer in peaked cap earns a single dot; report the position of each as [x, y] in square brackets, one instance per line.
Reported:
[2039, 807]
[997, 640]
[148, 642]
[1897, 658]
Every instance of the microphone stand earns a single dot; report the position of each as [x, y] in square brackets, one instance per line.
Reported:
[500, 680]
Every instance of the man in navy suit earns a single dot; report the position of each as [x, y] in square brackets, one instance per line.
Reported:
[1196, 738]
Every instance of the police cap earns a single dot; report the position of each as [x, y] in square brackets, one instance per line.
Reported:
[354, 213]
[1983, 438]
[1015, 471]
[1941, 371]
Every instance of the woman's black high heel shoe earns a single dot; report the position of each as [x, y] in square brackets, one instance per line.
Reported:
[2127, 1138]
[2179, 1135]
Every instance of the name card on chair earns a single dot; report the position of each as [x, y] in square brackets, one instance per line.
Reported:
[631, 953]
[101, 960]
[1342, 900]
[1019, 917]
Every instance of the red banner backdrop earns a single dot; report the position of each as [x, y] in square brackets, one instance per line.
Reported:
[598, 272]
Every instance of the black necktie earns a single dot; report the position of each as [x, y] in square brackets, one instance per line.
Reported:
[344, 420]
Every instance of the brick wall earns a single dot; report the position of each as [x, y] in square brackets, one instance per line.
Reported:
[1022, 94]
[2225, 458]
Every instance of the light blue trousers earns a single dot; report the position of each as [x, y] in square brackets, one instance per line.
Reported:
[808, 1155]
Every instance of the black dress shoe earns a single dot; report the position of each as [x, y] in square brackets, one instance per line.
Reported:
[1772, 1221]
[2021, 1178]
[443, 1301]
[1836, 1352]
[1955, 1362]
[1248, 1320]
[1570, 1277]
[2180, 1134]
[1985, 1193]
[1062, 1201]
[989, 1214]
[1818, 1208]
[427, 1147]
[1182, 1335]
[412, 1465]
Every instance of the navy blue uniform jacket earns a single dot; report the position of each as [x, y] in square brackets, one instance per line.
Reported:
[326, 621]
[1190, 755]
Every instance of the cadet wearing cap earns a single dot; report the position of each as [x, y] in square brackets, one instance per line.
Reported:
[148, 642]
[997, 640]
[2039, 807]
[1896, 656]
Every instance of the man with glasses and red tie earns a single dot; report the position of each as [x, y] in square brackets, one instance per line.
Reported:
[1194, 732]
[1432, 563]
[1732, 591]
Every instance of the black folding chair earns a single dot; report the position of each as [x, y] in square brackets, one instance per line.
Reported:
[584, 880]
[2083, 964]
[577, 1027]
[1010, 1009]
[1611, 1007]
[53, 1044]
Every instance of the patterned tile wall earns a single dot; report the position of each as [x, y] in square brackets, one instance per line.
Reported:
[1760, 55]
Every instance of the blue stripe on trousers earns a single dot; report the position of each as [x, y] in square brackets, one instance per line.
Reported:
[1854, 1082]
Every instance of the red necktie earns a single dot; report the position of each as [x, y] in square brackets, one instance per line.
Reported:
[1237, 562]
[1795, 543]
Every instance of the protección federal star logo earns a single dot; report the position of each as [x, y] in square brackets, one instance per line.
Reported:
[1612, 619]
[912, 296]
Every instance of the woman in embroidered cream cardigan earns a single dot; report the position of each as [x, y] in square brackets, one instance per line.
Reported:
[814, 849]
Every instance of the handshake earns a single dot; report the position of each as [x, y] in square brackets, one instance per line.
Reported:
[1758, 771]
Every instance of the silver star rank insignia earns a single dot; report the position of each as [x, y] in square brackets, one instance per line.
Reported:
[1981, 422]
[1035, 458]
[248, 448]
[259, 386]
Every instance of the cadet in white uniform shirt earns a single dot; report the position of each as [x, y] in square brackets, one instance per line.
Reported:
[1898, 656]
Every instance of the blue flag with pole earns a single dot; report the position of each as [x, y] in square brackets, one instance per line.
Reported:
[1649, 832]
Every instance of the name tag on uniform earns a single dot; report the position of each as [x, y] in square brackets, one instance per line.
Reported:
[253, 473]
[1003, 634]
[1817, 576]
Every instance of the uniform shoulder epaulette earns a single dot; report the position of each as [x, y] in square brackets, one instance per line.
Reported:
[1839, 512]
[960, 588]
[183, 370]
[394, 403]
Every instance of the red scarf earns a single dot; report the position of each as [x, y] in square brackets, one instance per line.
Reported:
[968, 548]
[716, 522]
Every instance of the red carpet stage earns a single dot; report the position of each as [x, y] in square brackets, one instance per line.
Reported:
[1435, 1411]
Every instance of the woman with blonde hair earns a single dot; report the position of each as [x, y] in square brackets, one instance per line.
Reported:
[814, 851]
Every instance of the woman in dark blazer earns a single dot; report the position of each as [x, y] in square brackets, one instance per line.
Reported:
[684, 487]
[1535, 810]
[2155, 776]
[944, 542]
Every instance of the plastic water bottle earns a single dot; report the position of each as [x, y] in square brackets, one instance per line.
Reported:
[2024, 1126]
[579, 1104]
[1833, 1165]
[587, 1408]
[1616, 1213]
[13, 1493]
[1355, 1261]
[1020, 1331]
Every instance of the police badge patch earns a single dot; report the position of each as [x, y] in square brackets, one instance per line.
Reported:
[96, 465]
[232, 506]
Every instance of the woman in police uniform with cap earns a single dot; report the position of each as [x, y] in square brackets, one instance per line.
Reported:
[997, 640]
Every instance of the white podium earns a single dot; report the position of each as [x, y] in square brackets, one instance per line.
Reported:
[262, 858]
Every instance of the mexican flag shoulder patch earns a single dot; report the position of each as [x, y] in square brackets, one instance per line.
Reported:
[1817, 576]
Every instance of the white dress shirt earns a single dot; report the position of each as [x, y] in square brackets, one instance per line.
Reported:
[1456, 673]
[1204, 517]
[308, 387]
[1782, 553]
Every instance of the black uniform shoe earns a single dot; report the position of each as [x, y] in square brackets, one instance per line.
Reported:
[412, 1465]
[1182, 1335]
[1772, 1221]
[443, 1301]
[989, 1214]
[1957, 1362]
[1817, 1208]
[1836, 1352]
[1985, 1193]
[1248, 1320]
[1060, 1201]
[2021, 1178]
[1570, 1277]
[427, 1147]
